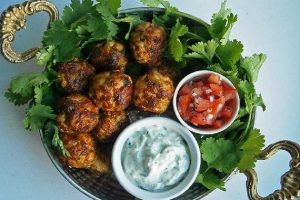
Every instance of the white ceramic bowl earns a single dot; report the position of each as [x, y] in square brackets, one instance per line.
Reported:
[177, 190]
[196, 129]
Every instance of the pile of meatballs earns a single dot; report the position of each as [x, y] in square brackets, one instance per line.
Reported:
[97, 92]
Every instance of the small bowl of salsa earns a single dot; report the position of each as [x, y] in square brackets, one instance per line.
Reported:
[206, 102]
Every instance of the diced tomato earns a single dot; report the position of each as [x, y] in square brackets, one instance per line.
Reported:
[201, 105]
[184, 102]
[196, 92]
[198, 84]
[216, 106]
[207, 102]
[228, 92]
[186, 89]
[198, 119]
[216, 89]
[218, 123]
[226, 112]
[214, 78]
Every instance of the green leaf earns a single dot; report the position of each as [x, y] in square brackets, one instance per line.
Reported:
[204, 51]
[222, 23]
[250, 149]
[38, 95]
[210, 180]
[246, 87]
[45, 55]
[132, 20]
[37, 115]
[258, 101]
[232, 75]
[230, 53]
[76, 11]
[151, 3]
[220, 154]
[65, 41]
[52, 138]
[21, 88]
[113, 5]
[16, 99]
[252, 65]
[175, 46]
[97, 27]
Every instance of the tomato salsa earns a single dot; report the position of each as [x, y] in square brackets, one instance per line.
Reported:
[207, 102]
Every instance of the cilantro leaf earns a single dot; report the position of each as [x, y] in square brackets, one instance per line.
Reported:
[132, 20]
[37, 115]
[175, 46]
[220, 154]
[52, 138]
[97, 27]
[76, 11]
[204, 51]
[45, 55]
[38, 95]
[258, 101]
[59, 34]
[21, 88]
[250, 149]
[151, 3]
[16, 98]
[252, 65]
[230, 53]
[246, 87]
[232, 75]
[210, 180]
[222, 23]
[112, 5]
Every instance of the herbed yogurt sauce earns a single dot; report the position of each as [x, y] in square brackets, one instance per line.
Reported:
[155, 158]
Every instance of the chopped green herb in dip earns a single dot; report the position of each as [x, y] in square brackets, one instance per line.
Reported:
[155, 158]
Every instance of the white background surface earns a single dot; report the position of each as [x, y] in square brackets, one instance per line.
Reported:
[269, 26]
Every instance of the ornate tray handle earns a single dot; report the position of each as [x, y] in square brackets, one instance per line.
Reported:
[290, 181]
[14, 19]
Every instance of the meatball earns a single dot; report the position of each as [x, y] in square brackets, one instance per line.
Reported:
[109, 124]
[109, 55]
[81, 148]
[102, 163]
[111, 91]
[153, 92]
[147, 43]
[73, 77]
[76, 114]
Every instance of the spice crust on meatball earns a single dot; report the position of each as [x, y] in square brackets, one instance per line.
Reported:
[111, 90]
[76, 114]
[109, 55]
[73, 76]
[153, 91]
[109, 124]
[147, 43]
[81, 148]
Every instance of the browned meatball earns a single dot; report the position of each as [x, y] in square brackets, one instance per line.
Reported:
[111, 91]
[76, 114]
[73, 77]
[153, 92]
[109, 124]
[102, 163]
[147, 43]
[109, 55]
[81, 148]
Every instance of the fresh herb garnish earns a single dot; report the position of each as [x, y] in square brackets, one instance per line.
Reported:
[195, 46]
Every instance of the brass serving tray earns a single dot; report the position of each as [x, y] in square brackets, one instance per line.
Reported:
[106, 186]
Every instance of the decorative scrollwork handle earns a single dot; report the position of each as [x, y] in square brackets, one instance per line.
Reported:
[290, 181]
[14, 19]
